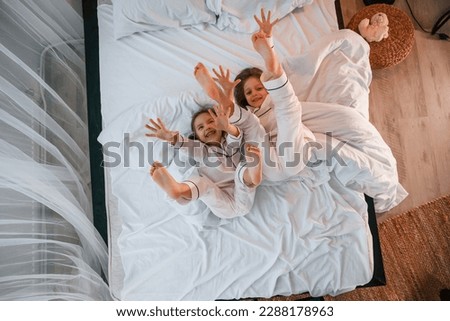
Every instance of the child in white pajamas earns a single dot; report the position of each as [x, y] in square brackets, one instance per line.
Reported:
[225, 181]
[283, 124]
[285, 149]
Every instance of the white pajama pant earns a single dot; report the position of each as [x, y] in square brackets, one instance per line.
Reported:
[290, 153]
[233, 200]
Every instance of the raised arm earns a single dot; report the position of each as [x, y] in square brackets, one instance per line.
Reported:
[273, 69]
[263, 44]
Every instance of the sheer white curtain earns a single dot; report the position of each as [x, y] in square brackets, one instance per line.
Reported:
[49, 248]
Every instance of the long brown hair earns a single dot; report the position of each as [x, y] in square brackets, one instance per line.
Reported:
[239, 94]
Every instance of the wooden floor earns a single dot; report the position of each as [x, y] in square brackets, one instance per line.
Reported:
[410, 106]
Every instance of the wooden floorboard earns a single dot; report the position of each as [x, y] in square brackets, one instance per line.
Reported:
[410, 106]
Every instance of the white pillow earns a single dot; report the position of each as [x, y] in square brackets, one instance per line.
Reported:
[132, 16]
[238, 14]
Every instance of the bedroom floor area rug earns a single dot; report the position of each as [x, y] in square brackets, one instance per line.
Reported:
[416, 255]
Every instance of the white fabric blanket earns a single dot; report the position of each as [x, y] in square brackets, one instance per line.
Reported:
[309, 234]
[334, 73]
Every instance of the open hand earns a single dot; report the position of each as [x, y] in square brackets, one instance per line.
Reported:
[223, 78]
[221, 117]
[159, 130]
[264, 24]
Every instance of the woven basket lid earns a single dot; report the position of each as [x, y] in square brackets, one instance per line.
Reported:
[392, 50]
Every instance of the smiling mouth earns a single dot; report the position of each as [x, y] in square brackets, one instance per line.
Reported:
[210, 132]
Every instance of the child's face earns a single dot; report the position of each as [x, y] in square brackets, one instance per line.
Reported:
[254, 92]
[205, 129]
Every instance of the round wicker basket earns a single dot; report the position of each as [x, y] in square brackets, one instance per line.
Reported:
[392, 50]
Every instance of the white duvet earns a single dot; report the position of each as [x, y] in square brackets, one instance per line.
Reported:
[308, 234]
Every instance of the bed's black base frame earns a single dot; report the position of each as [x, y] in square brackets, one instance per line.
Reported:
[95, 127]
[379, 278]
[94, 116]
[340, 19]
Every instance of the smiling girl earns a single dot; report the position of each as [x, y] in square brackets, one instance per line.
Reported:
[269, 95]
[227, 177]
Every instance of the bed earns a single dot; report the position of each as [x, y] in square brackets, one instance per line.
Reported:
[309, 234]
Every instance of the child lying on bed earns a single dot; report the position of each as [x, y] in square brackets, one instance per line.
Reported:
[227, 178]
[269, 95]
[280, 112]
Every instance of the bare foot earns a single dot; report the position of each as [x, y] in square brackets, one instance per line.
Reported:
[262, 46]
[208, 84]
[253, 171]
[165, 180]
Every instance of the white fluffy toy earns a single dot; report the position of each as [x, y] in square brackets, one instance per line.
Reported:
[375, 29]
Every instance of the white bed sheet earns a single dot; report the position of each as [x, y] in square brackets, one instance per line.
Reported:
[290, 242]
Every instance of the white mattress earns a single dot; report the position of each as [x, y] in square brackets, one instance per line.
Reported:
[309, 234]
